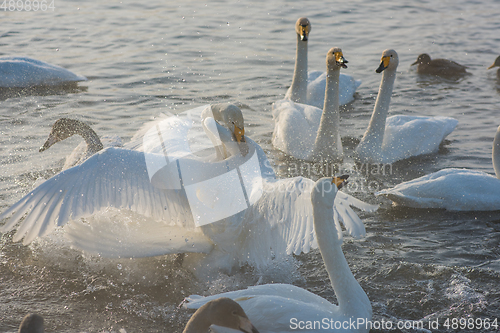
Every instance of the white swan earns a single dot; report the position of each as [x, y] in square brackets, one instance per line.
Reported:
[452, 189]
[258, 217]
[309, 87]
[388, 140]
[22, 72]
[222, 312]
[64, 128]
[306, 132]
[277, 308]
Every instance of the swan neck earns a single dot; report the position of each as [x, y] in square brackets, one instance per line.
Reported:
[374, 135]
[328, 144]
[94, 144]
[299, 81]
[496, 153]
[352, 300]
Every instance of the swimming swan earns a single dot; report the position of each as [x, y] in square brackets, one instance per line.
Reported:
[222, 312]
[22, 72]
[439, 67]
[275, 308]
[309, 133]
[452, 189]
[395, 138]
[309, 87]
[496, 64]
[64, 128]
[256, 216]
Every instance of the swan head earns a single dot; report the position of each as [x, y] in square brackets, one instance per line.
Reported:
[32, 323]
[423, 58]
[303, 28]
[232, 118]
[389, 60]
[325, 190]
[335, 59]
[496, 63]
[221, 312]
[64, 128]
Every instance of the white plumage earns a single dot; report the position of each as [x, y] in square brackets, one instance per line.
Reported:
[277, 222]
[278, 308]
[309, 87]
[395, 138]
[452, 189]
[306, 132]
[22, 72]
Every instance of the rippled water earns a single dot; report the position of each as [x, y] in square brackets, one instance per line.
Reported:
[145, 58]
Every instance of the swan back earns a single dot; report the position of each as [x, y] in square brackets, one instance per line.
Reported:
[221, 312]
[22, 72]
[496, 153]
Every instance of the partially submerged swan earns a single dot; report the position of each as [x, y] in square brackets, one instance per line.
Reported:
[439, 67]
[275, 308]
[306, 132]
[222, 312]
[390, 139]
[23, 72]
[452, 189]
[309, 87]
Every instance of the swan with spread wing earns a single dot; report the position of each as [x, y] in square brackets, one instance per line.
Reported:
[232, 210]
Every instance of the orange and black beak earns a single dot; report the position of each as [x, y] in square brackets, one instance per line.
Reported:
[339, 58]
[239, 134]
[304, 32]
[384, 63]
[340, 181]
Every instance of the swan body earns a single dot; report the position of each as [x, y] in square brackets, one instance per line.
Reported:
[316, 85]
[439, 67]
[64, 128]
[276, 308]
[390, 139]
[306, 132]
[496, 64]
[452, 189]
[162, 214]
[22, 72]
[309, 87]
[221, 312]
